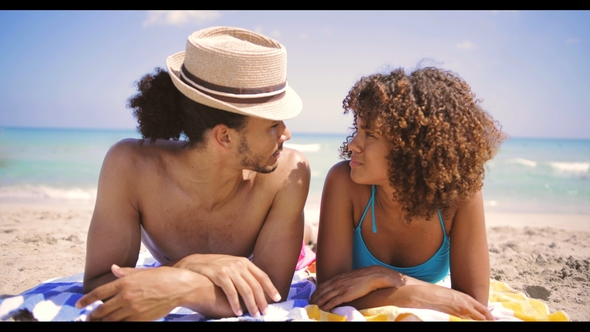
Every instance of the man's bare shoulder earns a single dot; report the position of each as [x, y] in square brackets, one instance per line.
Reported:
[293, 169]
[294, 159]
[127, 161]
[136, 152]
[293, 166]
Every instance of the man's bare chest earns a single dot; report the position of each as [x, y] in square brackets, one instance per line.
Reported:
[180, 227]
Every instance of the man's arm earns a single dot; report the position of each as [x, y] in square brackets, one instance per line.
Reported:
[144, 294]
[277, 246]
[280, 239]
[114, 233]
[148, 294]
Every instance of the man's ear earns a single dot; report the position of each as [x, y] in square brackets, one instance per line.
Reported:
[222, 135]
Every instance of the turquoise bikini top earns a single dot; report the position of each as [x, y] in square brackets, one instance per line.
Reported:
[433, 270]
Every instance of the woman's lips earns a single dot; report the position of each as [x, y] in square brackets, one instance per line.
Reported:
[354, 163]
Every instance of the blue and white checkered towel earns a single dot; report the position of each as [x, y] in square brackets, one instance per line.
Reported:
[55, 300]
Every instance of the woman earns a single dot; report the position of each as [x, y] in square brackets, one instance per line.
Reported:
[407, 208]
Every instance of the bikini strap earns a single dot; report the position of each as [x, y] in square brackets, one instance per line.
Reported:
[442, 223]
[373, 208]
[372, 204]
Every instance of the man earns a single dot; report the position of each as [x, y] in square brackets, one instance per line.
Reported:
[223, 212]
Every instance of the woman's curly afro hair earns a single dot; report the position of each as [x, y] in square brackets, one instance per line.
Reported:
[439, 137]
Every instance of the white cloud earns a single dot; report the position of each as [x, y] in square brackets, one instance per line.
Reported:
[275, 34]
[466, 45]
[179, 17]
[572, 40]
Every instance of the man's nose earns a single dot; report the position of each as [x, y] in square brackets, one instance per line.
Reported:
[286, 135]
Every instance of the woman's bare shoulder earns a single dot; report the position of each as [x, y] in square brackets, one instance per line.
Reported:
[340, 187]
[339, 176]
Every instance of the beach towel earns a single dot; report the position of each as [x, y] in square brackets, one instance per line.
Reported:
[54, 300]
[505, 304]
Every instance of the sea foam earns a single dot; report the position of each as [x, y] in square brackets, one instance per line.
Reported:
[304, 147]
[574, 167]
[522, 161]
[31, 191]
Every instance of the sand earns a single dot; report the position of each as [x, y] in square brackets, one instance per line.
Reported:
[545, 256]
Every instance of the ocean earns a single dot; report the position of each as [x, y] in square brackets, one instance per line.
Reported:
[528, 175]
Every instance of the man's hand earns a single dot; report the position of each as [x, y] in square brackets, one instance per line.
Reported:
[138, 294]
[236, 276]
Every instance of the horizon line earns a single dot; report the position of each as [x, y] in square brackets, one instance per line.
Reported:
[2, 127]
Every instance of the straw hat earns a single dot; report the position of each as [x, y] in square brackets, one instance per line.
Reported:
[235, 70]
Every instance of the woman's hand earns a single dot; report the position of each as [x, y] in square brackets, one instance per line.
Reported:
[450, 301]
[352, 285]
[378, 286]
[236, 276]
[138, 294]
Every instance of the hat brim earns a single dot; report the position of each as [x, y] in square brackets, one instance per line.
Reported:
[286, 107]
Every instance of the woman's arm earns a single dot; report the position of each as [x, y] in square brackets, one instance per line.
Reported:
[372, 286]
[376, 286]
[337, 282]
[470, 265]
[336, 226]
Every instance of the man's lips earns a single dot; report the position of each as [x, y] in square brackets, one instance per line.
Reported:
[278, 152]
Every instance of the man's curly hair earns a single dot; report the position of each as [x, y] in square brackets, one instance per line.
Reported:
[440, 138]
[163, 112]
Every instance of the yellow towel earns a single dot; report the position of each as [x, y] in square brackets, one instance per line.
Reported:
[521, 306]
[505, 304]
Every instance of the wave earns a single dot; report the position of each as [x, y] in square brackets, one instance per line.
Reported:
[575, 167]
[522, 161]
[30, 191]
[304, 147]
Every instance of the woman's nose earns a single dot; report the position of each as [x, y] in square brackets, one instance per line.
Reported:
[353, 145]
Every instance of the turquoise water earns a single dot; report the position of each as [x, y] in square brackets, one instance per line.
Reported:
[527, 175]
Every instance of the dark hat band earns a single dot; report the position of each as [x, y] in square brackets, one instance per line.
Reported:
[257, 100]
[198, 82]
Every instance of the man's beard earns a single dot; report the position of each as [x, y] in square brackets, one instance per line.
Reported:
[254, 161]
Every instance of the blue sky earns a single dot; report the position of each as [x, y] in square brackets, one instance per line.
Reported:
[75, 69]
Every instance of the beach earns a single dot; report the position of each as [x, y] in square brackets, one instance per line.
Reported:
[545, 256]
[536, 198]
